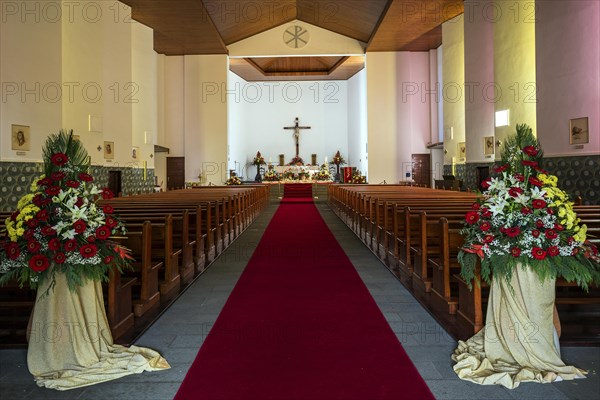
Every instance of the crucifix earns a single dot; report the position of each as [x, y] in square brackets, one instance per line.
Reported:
[296, 129]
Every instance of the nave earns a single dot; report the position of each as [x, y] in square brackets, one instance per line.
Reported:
[181, 330]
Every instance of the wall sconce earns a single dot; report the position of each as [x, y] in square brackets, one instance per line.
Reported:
[445, 151]
[502, 118]
[99, 148]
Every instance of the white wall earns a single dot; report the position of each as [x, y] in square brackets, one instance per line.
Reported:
[568, 78]
[262, 109]
[479, 78]
[31, 79]
[357, 122]
[398, 109]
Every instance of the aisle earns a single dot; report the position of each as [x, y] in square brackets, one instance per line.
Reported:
[300, 324]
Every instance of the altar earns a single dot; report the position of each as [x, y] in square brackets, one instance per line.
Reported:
[296, 169]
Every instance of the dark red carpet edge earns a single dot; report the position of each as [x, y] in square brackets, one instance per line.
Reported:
[301, 324]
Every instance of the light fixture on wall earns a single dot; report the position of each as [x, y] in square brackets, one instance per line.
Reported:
[502, 118]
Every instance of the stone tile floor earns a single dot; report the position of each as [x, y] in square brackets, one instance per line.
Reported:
[180, 332]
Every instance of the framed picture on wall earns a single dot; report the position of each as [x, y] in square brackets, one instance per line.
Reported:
[462, 150]
[488, 145]
[109, 150]
[579, 131]
[20, 138]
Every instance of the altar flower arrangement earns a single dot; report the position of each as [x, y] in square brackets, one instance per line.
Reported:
[297, 160]
[234, 180]
[524, 217]
[58, 227]
[323, 174]
[337, 159]
[358, 178]
[271, 176]
[258, 159]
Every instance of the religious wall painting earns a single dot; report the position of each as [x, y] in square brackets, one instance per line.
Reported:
[488, 145]
[579, 131]
[462, 151]
[109, 150]
[21, 140]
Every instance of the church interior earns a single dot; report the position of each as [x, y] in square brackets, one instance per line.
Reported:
[169, 97]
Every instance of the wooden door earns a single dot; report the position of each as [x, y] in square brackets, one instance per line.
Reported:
[175, 172]
[114, 182]
[421, 169]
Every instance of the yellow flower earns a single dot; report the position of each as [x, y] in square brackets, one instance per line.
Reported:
[580, 236]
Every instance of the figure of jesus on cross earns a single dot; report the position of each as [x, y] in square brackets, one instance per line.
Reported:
[296, 129]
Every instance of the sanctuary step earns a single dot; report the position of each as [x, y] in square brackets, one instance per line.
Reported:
[297, 190]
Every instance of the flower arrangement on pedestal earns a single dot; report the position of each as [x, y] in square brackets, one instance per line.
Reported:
[60, 224]
[234, 180]
[258, 159]
[358, 178]
[337, 159]
[323, 174]
[303, 175]
[288, 174]
[524, 218]
[297, 160]
[271, 176]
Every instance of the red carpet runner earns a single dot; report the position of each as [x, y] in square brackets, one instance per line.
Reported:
[297, 190]
[300, 324]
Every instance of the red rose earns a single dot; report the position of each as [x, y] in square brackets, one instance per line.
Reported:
[486, 183]
[42, 215]
[71, 245]
[526, 210]
[550, 211]
[48, 231]
[14, 215]
[39, 263]
[538, 203]
[513, 231]
[488, 239]
[529, 163]
[474, 206]
[79, 202]
[109, 209]
[52, 190]
[72, 184]
[515, 191]
[85, 177]
[553, 251]
[28, 234]
[535, 181]
[33, 246]
[79, 226]
[91, 239]
[530, 151]
[485, 212]
[108, 259]
[45, 182]
[485, 226]
[32, 223]
[103, 232]
[60, 258]
[519, 177]
[472, 217]
[535, 233]
[541, 170]
[515, 251]
[57, 176]
[551, 234]
[111, 222]
[538, 253]
[59, 159]
[501, 168]
[539, 223]
[54, 244]
[558, 227]
[107, 194]
[88, 250]
[12, 250]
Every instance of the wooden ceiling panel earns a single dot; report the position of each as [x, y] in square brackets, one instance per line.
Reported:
[343, 69]
[296, 64]
[408, 20]
[353, 18]
[239, 19]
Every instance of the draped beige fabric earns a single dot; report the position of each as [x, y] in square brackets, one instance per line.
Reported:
[71, 344]
[518, 342]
